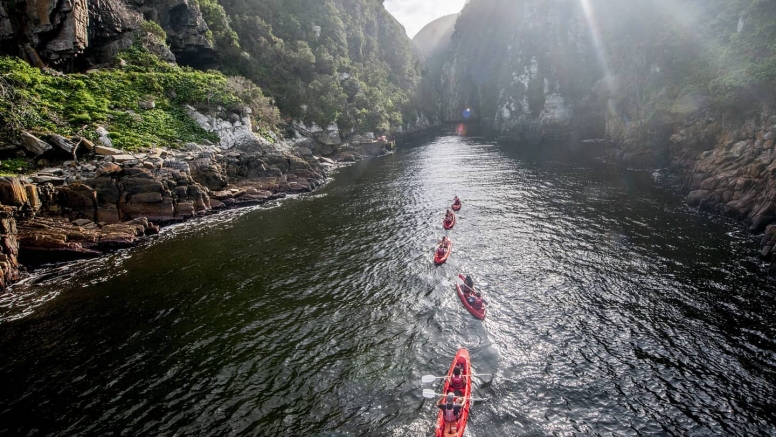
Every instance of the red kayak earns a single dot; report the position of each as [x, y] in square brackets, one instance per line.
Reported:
[456, 428]
[450, 224]
[457, 206]
[441, 260]
[463, 294]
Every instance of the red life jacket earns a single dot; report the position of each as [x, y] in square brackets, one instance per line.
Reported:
[457, 383]
[441, 251]
[450, 414]
[477, 303]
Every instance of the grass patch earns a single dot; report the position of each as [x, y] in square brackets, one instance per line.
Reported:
[76, 104]
[14, 167]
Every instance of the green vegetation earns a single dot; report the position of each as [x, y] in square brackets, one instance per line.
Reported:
[221, 34]
[76, 104]
[153, 28]
[660, 58]
[323, 61]
[13, 167]
[724, 50]
[747, 55]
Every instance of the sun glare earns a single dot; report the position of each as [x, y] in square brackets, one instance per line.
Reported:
[595, 34]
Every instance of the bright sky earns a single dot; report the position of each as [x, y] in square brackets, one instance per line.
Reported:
[414, 14]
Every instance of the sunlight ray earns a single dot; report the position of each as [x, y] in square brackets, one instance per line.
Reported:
[595, 34]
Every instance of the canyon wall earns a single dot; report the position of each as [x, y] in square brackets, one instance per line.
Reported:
[524, 69]
[689, 85]
[81, 33]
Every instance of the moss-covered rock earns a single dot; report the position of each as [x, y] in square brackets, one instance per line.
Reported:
[139, 101]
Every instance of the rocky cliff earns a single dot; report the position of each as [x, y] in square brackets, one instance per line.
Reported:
[128, 140]
[525, 69]
[687, 85]
[106, 199]
[81, 33]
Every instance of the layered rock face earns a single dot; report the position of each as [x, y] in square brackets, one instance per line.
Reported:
[110, 199]
[727, 159]
[525, 69]
[736, 176]
[64, 32]
[9, 247]
[88, 208]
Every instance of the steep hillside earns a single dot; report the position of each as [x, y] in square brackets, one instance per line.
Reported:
[688, 84]
[336, 61]
[525, 68]
[435, 37]
[535, 69]
[113, 120]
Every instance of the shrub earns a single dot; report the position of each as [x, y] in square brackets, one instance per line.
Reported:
[76, 104]
[153, 28]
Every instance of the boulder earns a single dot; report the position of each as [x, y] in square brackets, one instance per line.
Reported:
[34, 145]
[141, 185]
[62, 143]
[106, 150]
[694, 198]
[32, 197]
[108, 168]
[146, 198]
[158, 212]
[185, 209]
[79, 199]
[108, 214]
[103, 140]
[140, 221]
[123, 158]
[107, 190]
[12, 192]
[54, 180]
[86, 143]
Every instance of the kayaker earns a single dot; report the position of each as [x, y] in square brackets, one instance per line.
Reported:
[451, 407]
[478, 301]
[441, 250]
[449, 216]
[456, 201]
[457, 382]
[469, 283]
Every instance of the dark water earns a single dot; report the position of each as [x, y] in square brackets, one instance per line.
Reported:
[614, 310]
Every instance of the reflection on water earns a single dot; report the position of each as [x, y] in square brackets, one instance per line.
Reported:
[613, 310]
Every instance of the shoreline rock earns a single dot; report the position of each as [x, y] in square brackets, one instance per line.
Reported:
[725, 160]
[92, 207]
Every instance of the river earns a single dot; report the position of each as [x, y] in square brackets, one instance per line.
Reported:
[614, 310]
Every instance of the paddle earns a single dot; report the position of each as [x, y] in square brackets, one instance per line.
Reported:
[430, 394]
[461, 281]
[425, 379]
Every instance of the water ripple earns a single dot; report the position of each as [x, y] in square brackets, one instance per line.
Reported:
[613, 310]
